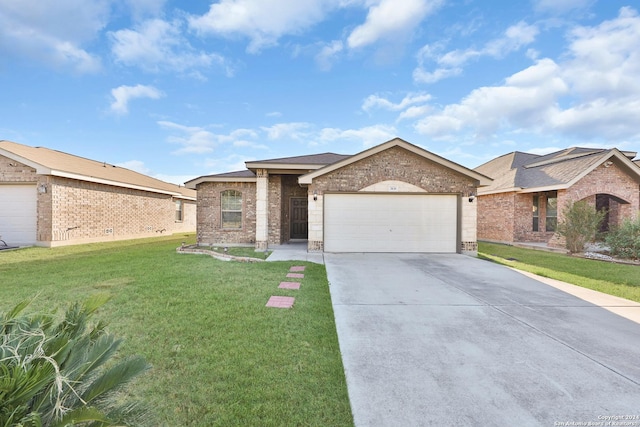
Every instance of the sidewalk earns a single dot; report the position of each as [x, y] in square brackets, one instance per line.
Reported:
[296, 251]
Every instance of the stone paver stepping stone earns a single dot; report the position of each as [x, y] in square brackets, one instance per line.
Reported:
[296, 275]
[280, 302]
[289, 285]
[297, 268]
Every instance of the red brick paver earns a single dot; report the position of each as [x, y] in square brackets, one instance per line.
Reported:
[296, 275]
[297, 268]
[289, 285]
[280, 302]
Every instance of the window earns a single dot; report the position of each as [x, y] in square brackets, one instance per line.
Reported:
[231, 208]
[552, 212]
[179, 210]
[536, 213]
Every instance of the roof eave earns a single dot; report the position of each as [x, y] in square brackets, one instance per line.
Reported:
[288, 167]
[194, 182]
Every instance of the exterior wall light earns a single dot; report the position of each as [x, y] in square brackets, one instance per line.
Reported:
[315, 195]
[42, 188]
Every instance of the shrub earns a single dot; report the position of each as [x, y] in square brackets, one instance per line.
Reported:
[61, 372]
[580, 224]
[624, 240]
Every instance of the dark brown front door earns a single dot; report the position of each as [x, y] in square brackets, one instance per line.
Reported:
[299, 219]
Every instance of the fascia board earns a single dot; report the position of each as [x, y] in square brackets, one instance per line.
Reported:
[194, 182]
[283, 166]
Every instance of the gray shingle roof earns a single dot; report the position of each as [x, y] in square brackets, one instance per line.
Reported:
[519, 170]
[312, 159]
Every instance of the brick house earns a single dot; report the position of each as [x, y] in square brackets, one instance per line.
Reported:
[51, 198]
[529, 192]
[394, 197]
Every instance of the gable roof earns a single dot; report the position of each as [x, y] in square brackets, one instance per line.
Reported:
[525, 172]
[396, 142]
[56, 163]
[236, 176]
[296, 164]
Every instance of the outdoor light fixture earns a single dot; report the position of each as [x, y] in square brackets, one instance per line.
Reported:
[472, 197]
[42, 188]
[315, 195]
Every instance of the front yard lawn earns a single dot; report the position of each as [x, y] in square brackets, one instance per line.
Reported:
[621, 280]
[219, 356]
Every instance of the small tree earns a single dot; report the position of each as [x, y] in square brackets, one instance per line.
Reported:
[580, 224]
[624, 240]
[62, 372]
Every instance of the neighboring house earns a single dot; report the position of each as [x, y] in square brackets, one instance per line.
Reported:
[529, 192]
[394, 197]
[50, 198]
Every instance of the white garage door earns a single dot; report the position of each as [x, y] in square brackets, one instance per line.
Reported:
[18, 207]
[390, 223]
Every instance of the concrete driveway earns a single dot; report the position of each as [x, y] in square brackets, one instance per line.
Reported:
[454, 340]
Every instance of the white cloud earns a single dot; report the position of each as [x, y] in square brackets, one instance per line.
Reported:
[156, 45]
[123, 94]
[593, 94]
[391, 18]
[53, 33]
[377, 101]
[368, 136]
[328, 54]
[198, 140]
[262, 22]
[452, 63]
[298, 131]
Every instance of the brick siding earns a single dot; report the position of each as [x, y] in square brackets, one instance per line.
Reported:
[73, 211]
[393, 164]
[209, 213]
[508, 217]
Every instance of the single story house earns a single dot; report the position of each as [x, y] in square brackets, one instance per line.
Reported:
[394, 197]
[530, 192]
[51, 198]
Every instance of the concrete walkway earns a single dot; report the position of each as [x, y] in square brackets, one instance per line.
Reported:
[295, 252]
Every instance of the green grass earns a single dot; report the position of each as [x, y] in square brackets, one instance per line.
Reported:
[621, 280]
[219, 356]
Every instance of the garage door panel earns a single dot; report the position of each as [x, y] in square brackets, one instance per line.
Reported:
[390, 223]
[18, 221]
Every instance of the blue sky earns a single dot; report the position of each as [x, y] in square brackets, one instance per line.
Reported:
[182, 89]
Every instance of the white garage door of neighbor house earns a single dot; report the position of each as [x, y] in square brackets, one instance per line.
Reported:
[18, 210]
[390, 223]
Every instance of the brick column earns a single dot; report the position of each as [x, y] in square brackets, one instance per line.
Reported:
[469, 231]
[316, 236]
[262, 210]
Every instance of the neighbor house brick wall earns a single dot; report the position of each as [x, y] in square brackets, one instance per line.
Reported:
[84, 212]
[605, 180]
[611, 180]
[209, 213]
[496, 217]
[188, 223]
[394, 164]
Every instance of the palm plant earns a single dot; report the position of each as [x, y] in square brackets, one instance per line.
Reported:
[62, 372]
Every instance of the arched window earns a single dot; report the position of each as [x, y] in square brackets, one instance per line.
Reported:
[231, 209]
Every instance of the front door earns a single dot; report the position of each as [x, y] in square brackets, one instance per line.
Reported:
[299, 218]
